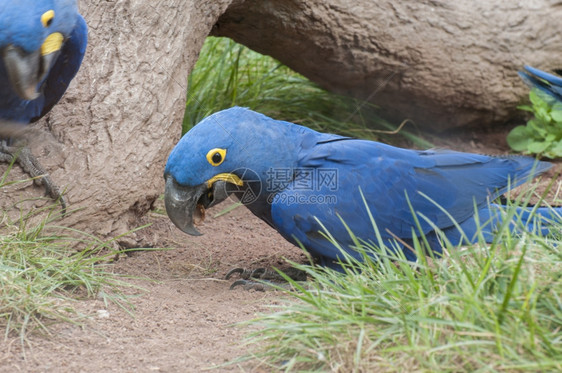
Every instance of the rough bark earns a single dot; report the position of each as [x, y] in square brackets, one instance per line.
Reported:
[441, 63]
[438, 62]
[108, 139]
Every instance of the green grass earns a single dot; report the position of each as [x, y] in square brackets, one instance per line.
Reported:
[483, 308]
[229, 74]
[45, 269]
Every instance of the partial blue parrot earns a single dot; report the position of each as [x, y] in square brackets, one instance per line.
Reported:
[42, 43]
[302, 183]
[547, 83]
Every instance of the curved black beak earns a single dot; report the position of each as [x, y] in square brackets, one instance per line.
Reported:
[26, 70]
[182, 202]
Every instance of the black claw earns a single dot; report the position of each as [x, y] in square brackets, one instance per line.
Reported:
[248, 285]
[233, 271]
[31, 165]
[265, 275]
[247, 274]
[258, 273]
[244, 273]
[237, 283]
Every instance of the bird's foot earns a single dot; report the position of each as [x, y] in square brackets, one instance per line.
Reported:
[268, 278]
[29, 163]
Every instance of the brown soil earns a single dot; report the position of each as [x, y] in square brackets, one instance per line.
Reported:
[184, 319]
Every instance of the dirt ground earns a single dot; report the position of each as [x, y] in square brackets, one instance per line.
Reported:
[184, 320]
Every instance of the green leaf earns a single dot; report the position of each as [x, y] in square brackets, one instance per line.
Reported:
[556, 150]
[556, 113]
[542, 114]
[537, 101]
[525, 108]
[538, 147]
[535, 128]
[519, 138]
[541, 99]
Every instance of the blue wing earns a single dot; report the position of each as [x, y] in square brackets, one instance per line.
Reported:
[63, 71]
[548, 83]
[456, 181]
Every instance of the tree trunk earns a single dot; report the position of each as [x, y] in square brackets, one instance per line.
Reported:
[440, 63]
[112, 132]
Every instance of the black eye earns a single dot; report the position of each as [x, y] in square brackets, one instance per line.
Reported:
[217, 158]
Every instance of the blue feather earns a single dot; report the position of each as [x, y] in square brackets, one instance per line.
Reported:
[547, 83]
[21, 27]
[310, 181]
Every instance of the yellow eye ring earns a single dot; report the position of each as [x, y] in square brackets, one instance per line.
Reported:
[216, 156]
[47, 18]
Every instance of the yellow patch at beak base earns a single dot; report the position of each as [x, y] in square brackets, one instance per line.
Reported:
[52, 43]
[230, 178]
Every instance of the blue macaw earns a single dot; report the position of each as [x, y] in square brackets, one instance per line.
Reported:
[42, 43]
[547, 83]
[302, 182]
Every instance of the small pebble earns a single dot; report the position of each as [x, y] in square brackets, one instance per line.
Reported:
[103, 314]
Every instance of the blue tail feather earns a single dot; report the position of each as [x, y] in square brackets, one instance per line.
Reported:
[541, 220]
[547, 83]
